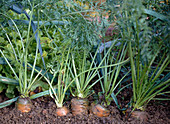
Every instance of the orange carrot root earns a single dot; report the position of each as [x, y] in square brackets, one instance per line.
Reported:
[63, 111]
[23, 104]
[79, 106]
[99, 110]
[141, 115]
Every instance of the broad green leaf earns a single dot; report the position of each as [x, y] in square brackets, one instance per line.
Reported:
[40, 84]
[6, 80]
[157, 15]
[41, 94]
[8, 102]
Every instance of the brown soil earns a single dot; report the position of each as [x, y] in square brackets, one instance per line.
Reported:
[44, 112]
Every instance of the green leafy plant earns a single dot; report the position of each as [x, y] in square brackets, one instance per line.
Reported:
[10, 87]
[138, 29]
[61, 71]
[25, 79]
[137, 32]
[83, 87]
[146, 82]
[111, 80]
[16, 14]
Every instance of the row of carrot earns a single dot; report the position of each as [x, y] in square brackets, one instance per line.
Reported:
[78, 107]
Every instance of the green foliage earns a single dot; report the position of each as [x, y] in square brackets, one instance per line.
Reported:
[2, 87]
[137, 24]
[81, 88]
[88, 72]
[160, 27]
[17, 52]
[51, 36]
[146, 82]
[8, 102]
[8, 81]
[41, 84]
[111, 75]
[10, 91]
[61, 72]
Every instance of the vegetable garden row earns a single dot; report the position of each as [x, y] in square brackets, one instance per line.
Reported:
[66, 48]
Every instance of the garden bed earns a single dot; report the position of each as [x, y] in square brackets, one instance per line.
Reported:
[49, 56]
[44, 112]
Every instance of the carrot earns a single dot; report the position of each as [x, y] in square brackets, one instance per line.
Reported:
[62, 111]
[141, 115]
[79, 106]
[99, 110]
[23, 104]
